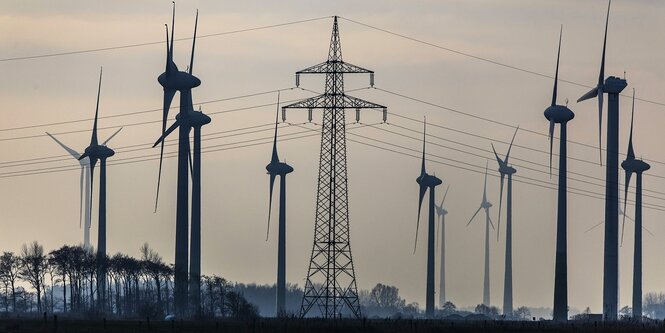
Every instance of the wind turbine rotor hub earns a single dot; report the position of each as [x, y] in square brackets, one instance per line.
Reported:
[635, 165]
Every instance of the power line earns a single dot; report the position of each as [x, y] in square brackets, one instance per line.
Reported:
[127, 46]
[143, 111]
[484, 59]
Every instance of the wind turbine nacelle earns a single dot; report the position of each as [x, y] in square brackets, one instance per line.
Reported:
[279, 168]
[198, 119]
[99, 151]
[506, 169]
[428, 180]
[559, 114]
[614, 85]
[635, 165]
[178, 81]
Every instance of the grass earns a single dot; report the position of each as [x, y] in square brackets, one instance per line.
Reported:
[271, 325]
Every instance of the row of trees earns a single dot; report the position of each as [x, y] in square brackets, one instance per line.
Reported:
[65, 281]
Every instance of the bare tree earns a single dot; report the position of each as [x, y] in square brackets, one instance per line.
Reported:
[10, 265]
[33, 268]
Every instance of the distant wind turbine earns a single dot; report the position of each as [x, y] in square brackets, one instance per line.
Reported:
[441, 213]
[507, 170]
[84, 191]
[633, 165]
[425, 182]
[276, 168]
[96, 152]
[485, 205]
[613, 87]
[559, 114]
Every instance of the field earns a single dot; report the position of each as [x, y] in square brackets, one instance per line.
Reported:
[317, 326]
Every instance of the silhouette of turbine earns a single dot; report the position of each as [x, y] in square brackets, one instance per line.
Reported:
[84, 191]
[425, 182]
[613, 87]
[95, 152]
[276, 168]
[485, 205]
[633, 165]
[173, 80]
[559, 114]
[505, 169]
[441, 213]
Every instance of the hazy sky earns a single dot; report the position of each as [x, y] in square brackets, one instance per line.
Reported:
[383, 192]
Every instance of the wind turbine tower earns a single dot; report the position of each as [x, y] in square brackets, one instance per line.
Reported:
[173, 80]
[276, 168]
[95, 152]
[559, 114]
[425, 182]
[613, 87]
[485, 205]
[507, 170]
[632, 165]
[84, 191]
[441, 213]
[331, 279]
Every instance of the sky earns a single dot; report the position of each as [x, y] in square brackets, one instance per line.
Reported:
[476, 61]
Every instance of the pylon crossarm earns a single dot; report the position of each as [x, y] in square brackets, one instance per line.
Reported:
[334, 66]
[322, 102]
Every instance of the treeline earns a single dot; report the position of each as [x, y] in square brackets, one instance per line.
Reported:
[65, 281]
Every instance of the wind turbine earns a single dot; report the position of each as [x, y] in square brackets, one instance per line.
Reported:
[276, 168]
[441, 213]
[84, 191]
[559, 114]
[425, 182]
[485, 205]
[633, 165]
[613, 87]
[173, 80]
[507, 170]
[95, 152]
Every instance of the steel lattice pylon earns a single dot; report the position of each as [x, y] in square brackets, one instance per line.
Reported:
[331, 279]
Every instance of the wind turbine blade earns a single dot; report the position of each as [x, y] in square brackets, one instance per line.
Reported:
[551, 143]
[601, 76]
[556, 74]
[631, 152]
[485, 185]
[421, 195]
[422, 168]
[490, 220]
[438, 229]
[275, 158]
[191, 167]
[93, 140]
[71, 151]
[625, 196]
[191, 61]
[511, 144]
[600, 123]
[83, 156]
[168, 52]
[161, 159]
[111, 137]
[444, 196]
[594, 227]
[166, 133]
[81, 181]
[474, 215]
[272, 183]
[172, 33]
[498, 159]
[500, 205]
[93, 161]
[591, 94]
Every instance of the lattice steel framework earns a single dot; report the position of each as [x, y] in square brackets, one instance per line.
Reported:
[331, 280]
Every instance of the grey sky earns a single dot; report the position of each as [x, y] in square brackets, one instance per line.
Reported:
[383, 191]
